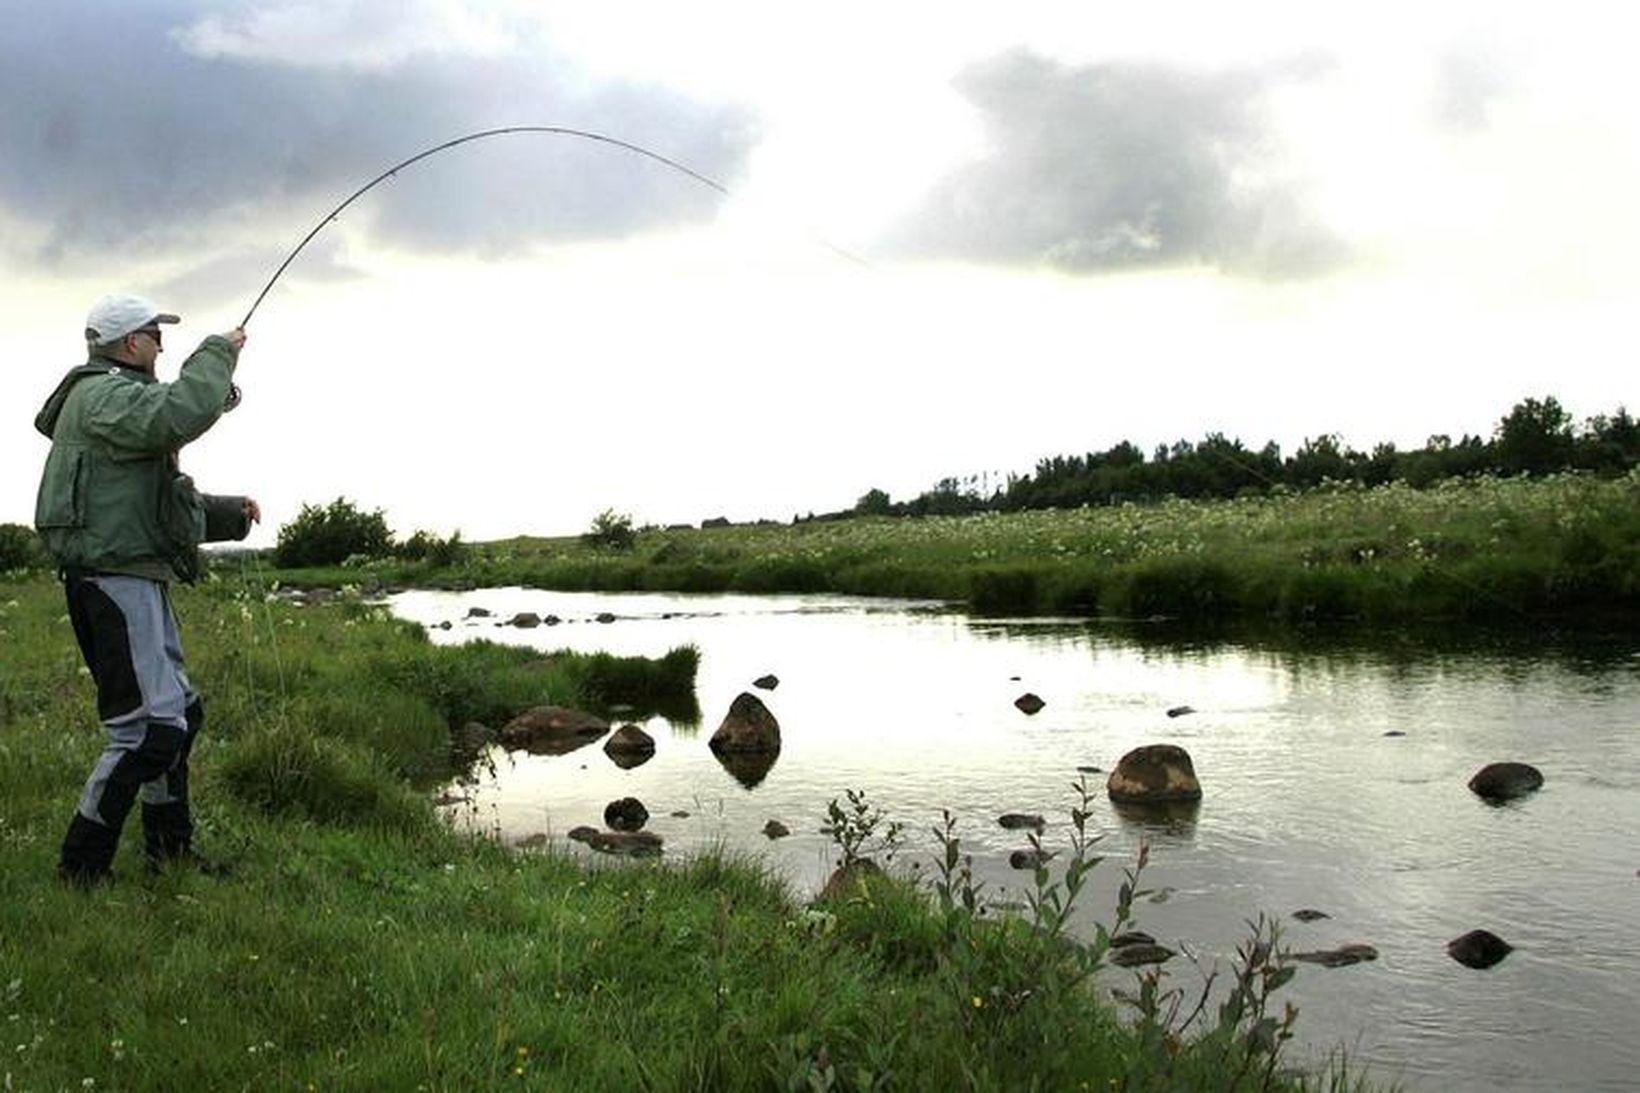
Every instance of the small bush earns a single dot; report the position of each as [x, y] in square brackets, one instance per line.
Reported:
[611, 530]
[331, 535]
[20, 548]
[424, 546]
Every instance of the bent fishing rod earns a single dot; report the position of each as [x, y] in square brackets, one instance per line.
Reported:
[554, 130]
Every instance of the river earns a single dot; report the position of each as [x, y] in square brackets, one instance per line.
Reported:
[1309, 800]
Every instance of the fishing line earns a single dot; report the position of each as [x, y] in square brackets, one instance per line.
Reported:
[483, 134]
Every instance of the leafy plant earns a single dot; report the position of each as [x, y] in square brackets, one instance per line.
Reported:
[611, 530]
[855, 829]
[20, 548]
[331, 535]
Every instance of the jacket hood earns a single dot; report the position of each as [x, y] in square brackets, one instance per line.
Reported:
[46, 419]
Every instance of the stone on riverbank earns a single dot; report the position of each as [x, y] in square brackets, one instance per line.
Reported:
[1154, 773]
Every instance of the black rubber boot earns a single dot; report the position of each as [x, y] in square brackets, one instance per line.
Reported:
[88, 853]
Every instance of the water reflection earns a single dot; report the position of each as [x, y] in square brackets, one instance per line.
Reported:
[749, 768]
[1308, 802]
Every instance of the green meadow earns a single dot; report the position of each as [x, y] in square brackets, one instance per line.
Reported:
[360, 944]
[1564, 547]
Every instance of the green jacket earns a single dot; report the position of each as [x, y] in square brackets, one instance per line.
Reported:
[111, 498]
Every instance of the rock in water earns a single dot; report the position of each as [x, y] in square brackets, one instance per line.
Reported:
[1341, 957]
[1506, 781]
[1310, 914]
[748, 726]
[552, 730]
[774, 829]
[1180, 711]
[1478, 949]
[1154, 773]
[1131, 956]
[1029, 703]
[626, 814]
[1021, 821]
[630, 740]
[766, 683]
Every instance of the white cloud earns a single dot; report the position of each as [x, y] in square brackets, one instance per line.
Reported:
[361, 34]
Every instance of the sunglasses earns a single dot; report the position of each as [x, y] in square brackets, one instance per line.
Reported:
[151, 331]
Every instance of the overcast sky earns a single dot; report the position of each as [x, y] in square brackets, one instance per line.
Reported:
[1076, 224]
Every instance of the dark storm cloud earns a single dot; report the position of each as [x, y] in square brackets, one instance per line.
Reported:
[1120, 166]
[112, 132]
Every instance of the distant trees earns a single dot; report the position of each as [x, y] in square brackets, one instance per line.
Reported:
[1537, 436]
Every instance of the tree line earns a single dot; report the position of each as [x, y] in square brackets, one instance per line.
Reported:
[1536, 437]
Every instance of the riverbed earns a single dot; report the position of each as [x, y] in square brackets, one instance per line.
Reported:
[1333, 766]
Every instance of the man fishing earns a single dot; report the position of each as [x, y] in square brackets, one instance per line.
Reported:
[123, 522]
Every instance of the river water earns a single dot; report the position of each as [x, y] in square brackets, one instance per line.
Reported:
[1309, 802]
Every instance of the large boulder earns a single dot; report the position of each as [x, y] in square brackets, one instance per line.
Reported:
[1154, 774]
[748, 727]
[1506, 781]
[551, 730]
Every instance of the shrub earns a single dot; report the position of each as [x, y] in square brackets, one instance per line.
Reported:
[20, 548]
[332, 534]
[611, 530]
[424, 546]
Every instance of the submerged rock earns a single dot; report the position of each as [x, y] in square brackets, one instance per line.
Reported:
[626, 814]
[552, 730]
[1478, 949]
[774, 829]
[1309, 914]
[1132, 937]
[747, 727]
[1341, 957]
[1029, 859]
[766, 683]
[1029, 703]
[525, 620]
[478, 613]
[1154, 773]
[632, 844]
[1180, 711]
[1506, 781]
[1133, 955]
[1021, 821]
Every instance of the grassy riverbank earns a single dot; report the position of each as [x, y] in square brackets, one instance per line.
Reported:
[362, 945]
[1479, 549]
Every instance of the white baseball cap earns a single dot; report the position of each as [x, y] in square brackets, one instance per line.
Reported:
[116, 315]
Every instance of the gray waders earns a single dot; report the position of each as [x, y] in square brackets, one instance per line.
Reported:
[128, 636]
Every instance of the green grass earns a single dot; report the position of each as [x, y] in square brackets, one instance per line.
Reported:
[361, 944]
[1483, 549]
